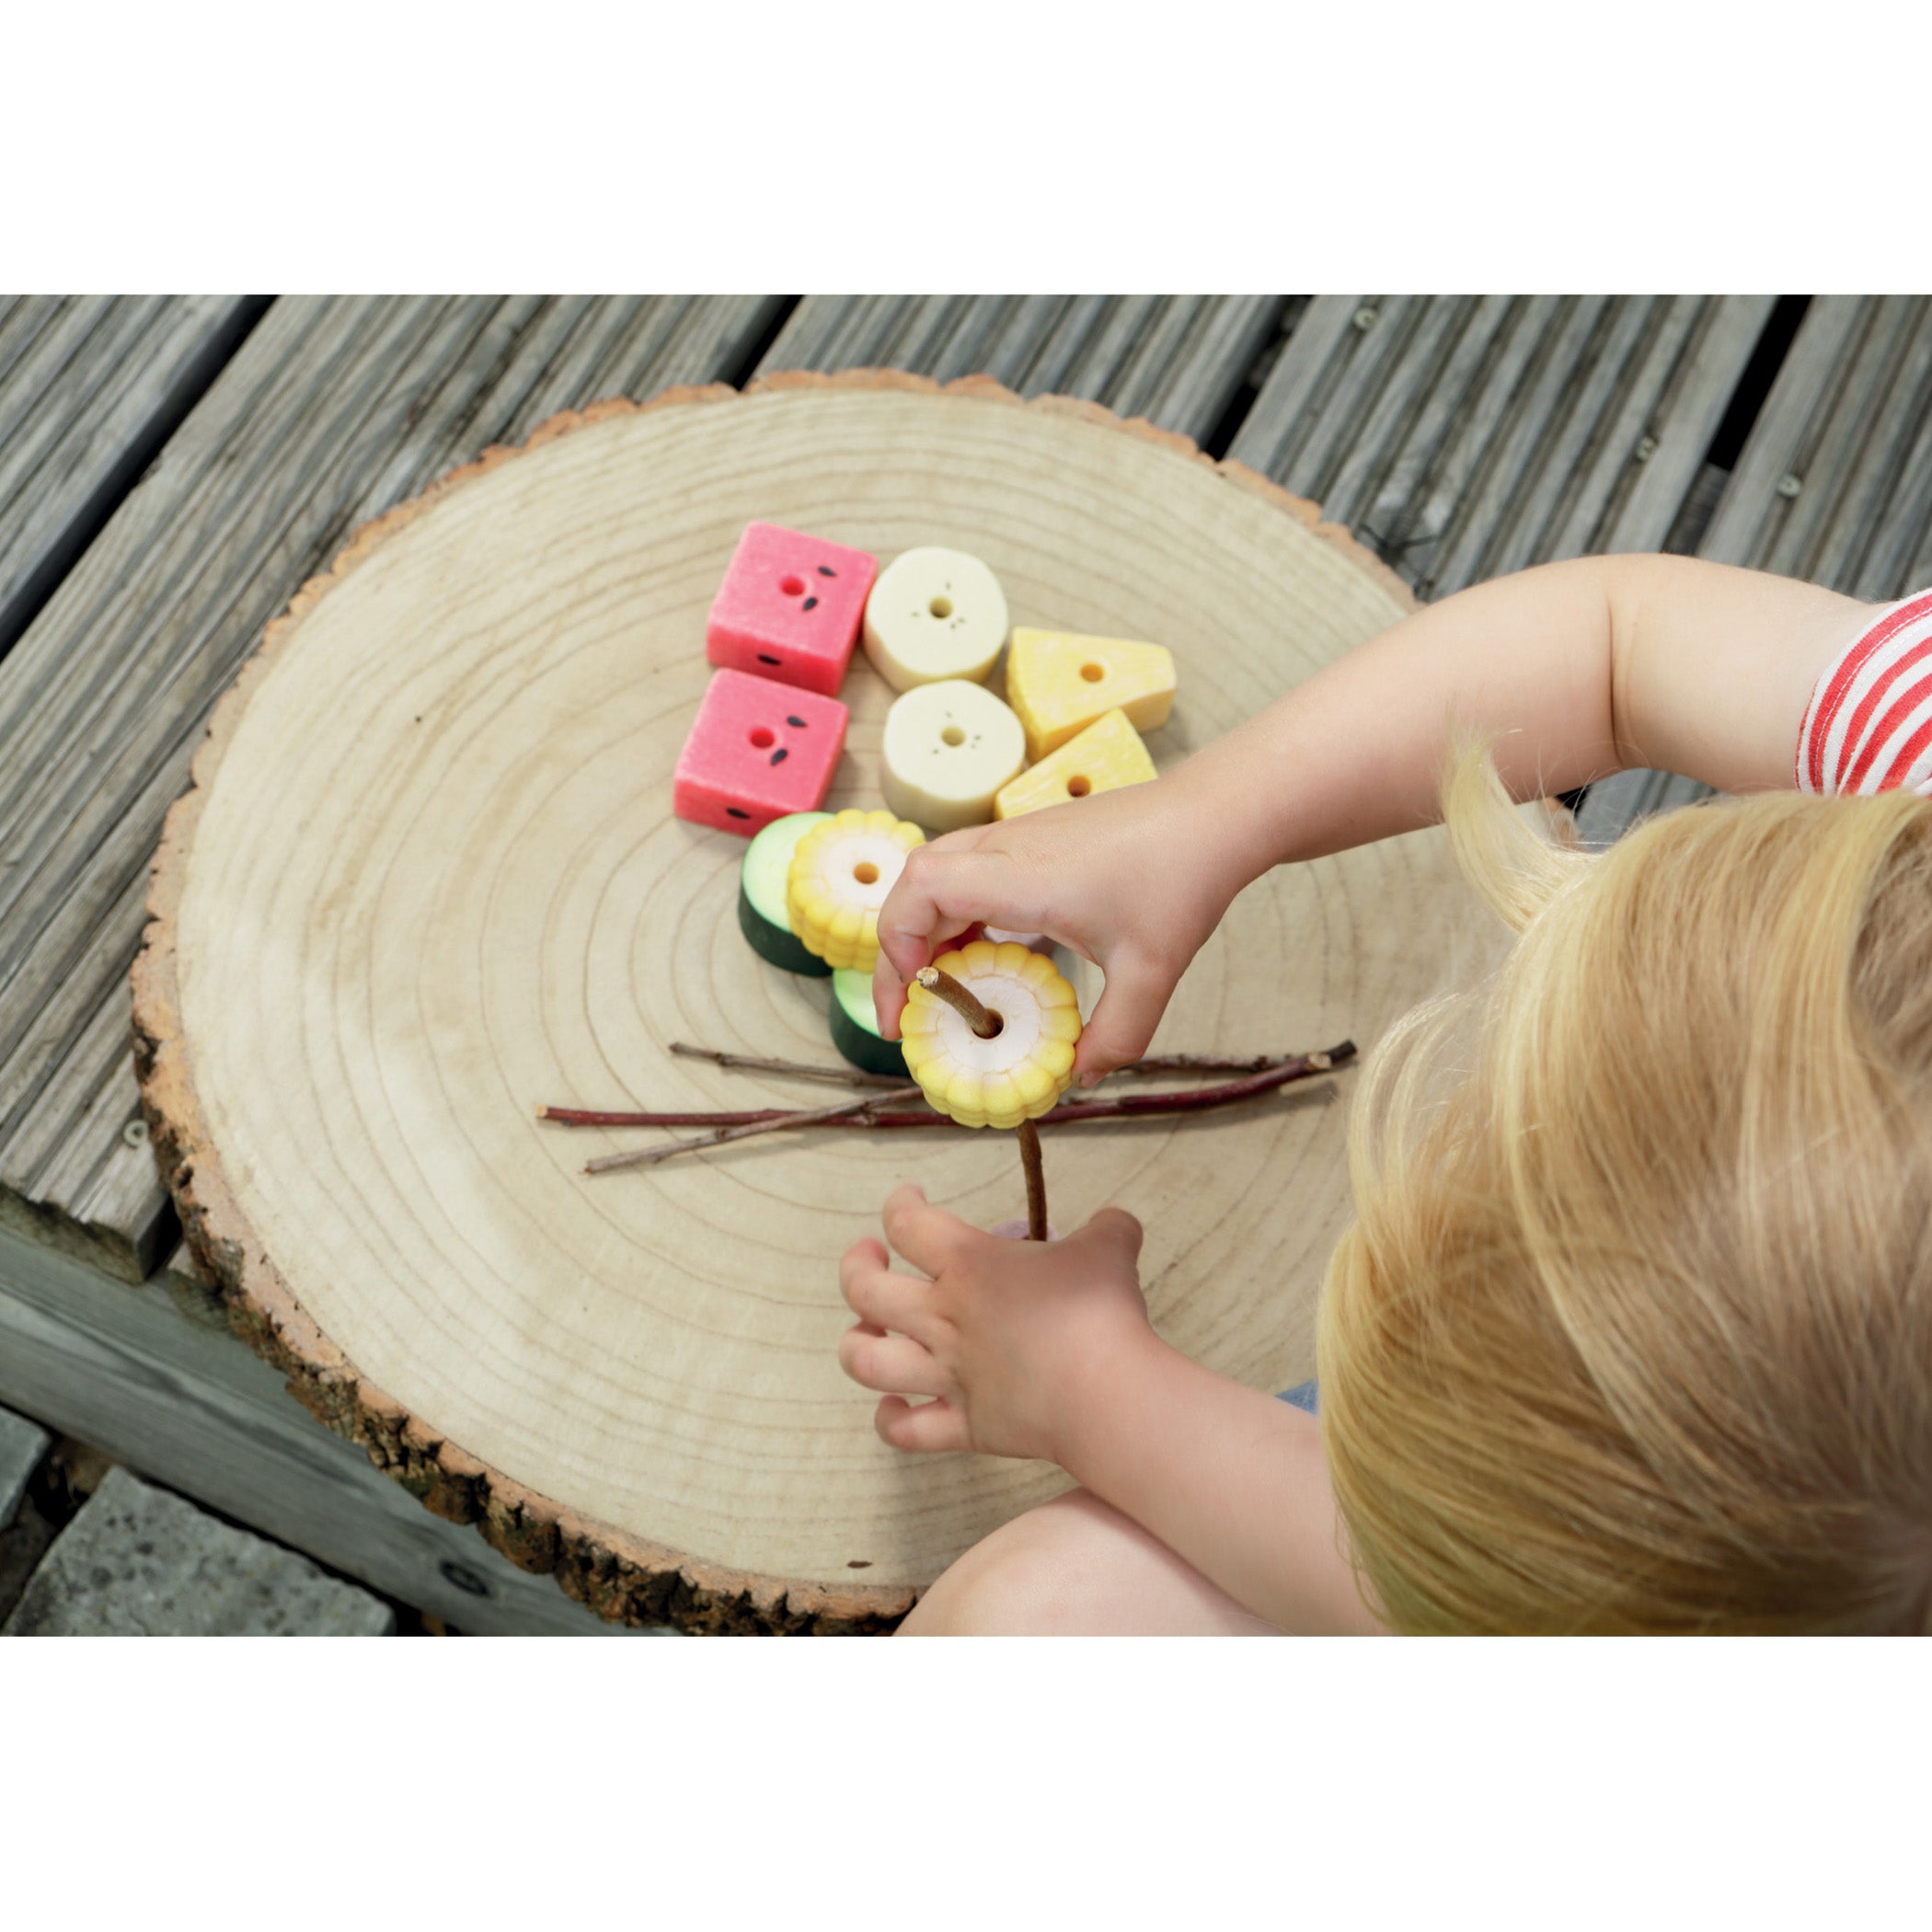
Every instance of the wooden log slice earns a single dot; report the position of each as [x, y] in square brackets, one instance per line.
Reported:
[428, 878]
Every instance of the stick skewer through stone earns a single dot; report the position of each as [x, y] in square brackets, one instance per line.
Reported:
[986, 1026]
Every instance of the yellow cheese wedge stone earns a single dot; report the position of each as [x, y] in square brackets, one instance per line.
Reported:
[1104, 757]
[1059, 683]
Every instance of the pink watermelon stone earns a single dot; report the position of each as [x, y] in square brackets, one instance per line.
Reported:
[789, 607]
[756, 752]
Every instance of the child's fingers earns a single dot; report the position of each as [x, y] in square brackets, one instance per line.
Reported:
[898, 1302]
[931, 1426]
[890, 1363]
[868, 1253]
[928, 1237]
[1129, 1007]
[888, 997]
[944, 887]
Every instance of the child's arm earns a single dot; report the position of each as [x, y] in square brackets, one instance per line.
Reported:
[1041, 1350]
[1581, 668]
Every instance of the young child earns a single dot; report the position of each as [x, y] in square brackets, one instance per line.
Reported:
[1634, 1329]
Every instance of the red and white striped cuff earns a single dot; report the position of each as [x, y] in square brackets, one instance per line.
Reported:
[1869, 726]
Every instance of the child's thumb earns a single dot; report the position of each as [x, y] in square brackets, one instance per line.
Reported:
[1116, 1228]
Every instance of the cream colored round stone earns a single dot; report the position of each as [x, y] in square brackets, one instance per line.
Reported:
[934, 613]
[948, 749]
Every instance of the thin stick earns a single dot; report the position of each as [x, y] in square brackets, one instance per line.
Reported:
[1303, 1066]
[1207, 1063]
[691, 1117]
[650, 1157]
[852, 1077]
[987, 1026]
[1199, 1099]
[1036, 1181]
[942, 985]
[841, 1076]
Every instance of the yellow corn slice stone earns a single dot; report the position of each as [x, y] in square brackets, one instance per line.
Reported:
[1059, 683]
[1019, 1073]
[1104, 757]
[840, 874]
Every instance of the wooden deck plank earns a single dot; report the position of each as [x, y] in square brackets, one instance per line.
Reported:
[1047, 370]
[1523, 471]
[1464, 435]
[1833, 485]
[1009, 343]
[1588, 402]
[1177, 360]
[1678, 406]
[121, 1369]
[1214, 342]
[1847, 422]
[331, 410]
[1451, 342]
[1338, 362]
[89, 386]
[1292, 395]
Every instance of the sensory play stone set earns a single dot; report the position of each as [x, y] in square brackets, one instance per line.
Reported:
[769, 733]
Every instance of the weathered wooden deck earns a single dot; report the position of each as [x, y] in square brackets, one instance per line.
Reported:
[171, 469]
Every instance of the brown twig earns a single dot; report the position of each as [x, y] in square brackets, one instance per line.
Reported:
[986, 1025]
[942, 985]
[690, 1117]
[650, 1157]
[841, 1076]
[1207, 1063]
[852, 1077]
[1198, 1099]
[1301, 1066]
[1036, 1181]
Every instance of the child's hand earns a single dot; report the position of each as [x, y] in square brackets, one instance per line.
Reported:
[1129, 881]
[1014, 1337]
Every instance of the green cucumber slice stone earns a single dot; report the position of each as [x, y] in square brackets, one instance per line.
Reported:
[762, 916]
[855, 1025]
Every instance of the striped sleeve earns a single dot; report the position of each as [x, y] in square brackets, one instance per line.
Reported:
[1869, 725]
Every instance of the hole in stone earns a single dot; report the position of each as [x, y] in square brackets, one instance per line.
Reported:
[1079, 787]
[940, 606]
[865, 872]
[792, 586]
[1093, 673]
[953, 735]
[763, 739]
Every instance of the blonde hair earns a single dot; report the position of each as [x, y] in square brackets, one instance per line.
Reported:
[1634, 1329]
